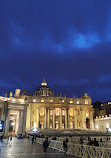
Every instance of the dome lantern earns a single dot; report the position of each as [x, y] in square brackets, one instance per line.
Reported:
[44, 83]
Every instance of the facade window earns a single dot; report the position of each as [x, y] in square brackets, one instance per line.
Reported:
[63, 112]
[71, 112]
[41, 112]
[42, 100]
[86, 101]
[77, 102]
[57, 112]
[57, 124]
[87, 114]
[71, 125]
[71, 101]
[50, 125]
[50, 112]
[63, 126]
[34, 100]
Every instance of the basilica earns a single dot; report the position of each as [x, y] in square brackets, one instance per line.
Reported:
[45, 110]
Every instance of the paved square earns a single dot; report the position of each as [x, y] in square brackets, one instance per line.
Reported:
[23, 148]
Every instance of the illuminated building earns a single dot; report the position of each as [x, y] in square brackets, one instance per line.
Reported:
[48, 111]
[103, 123]
[44, 110]
[103, 119]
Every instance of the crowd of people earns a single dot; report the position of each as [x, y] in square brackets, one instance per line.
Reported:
[90, 141]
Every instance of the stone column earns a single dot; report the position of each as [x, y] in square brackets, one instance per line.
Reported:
[37, 118]
[91, 120]
[48, 119]
[24, 120]
[68, 125]
[45, 122]
[2, 115]
[20, 129]
[7, 123]
[60, 118]
[83, 119]
[66, 118]
[75, 119]
[53, 118]
[28, 119]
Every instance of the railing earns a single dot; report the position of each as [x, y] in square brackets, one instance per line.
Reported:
[104, 144]
[84, 151]
[76, 139]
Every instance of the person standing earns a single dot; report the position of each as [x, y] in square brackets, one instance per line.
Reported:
[32, 140]
[65, 145]
[95, 142]
[2, 138]
[45, 144]
[10, 139]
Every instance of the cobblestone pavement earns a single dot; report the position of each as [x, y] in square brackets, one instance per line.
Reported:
[22, 148]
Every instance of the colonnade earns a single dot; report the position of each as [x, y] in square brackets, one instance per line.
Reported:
[20, 123]
[47, 122]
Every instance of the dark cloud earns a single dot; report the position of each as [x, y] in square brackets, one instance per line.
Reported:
[67, 42]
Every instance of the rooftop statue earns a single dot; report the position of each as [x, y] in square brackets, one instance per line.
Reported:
[17, 92]
[11, 94]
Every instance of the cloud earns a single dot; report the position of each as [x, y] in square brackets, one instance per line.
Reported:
[68, 42]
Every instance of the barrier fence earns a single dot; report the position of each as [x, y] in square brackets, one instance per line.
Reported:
[84, 151]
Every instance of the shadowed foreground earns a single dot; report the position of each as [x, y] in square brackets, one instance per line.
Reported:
[22, 148]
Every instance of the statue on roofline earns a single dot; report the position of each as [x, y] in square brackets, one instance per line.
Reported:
[17, 92]
[11, 94]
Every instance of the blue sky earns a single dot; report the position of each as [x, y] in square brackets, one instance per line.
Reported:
[66, 41]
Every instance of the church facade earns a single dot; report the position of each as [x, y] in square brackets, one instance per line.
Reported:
[47, 111]
[23, 112]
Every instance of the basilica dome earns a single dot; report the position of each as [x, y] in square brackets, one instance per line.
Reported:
[44, 90]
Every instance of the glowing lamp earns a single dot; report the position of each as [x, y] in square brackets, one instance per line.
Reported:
[12, 123]
[34, 100]
[34, 130]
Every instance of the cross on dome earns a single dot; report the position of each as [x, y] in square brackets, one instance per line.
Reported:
[44, 83]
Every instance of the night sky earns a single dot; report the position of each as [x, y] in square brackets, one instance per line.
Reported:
[66, 41]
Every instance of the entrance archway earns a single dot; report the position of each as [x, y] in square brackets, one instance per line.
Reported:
[87, 123]
[14, 123]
